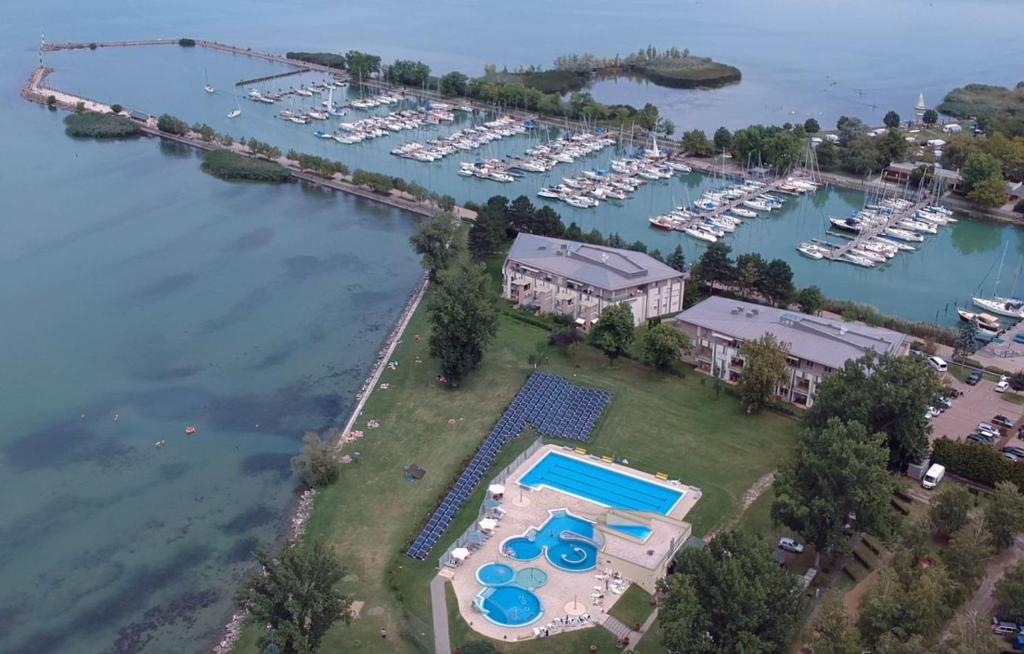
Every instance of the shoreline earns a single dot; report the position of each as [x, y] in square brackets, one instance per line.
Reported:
[299, 515]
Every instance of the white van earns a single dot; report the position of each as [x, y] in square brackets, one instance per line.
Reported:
[934, 475]
[938, 363]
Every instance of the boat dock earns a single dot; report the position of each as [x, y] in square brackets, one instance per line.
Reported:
[870, 232]
[267, 78]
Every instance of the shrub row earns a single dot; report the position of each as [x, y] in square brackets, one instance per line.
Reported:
[871, 316]
[227, 164]
[100, 125]
[979, 463]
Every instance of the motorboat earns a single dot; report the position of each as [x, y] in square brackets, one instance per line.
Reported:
[811, 251]
[903, 235]
[1001, 306]
[847, 224]
[234, 113]
[743, 213]
[701, 234]
[986, 320]
[756, 205]
[858, 260]
[661, 222]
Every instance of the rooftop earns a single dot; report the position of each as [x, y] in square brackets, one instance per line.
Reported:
[907, 167]
[594, 265]
[829, 342]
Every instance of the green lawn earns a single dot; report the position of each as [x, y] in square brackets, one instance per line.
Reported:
[661, 423]
[633, 607]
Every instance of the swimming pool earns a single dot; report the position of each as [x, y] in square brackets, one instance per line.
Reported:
[636, 531]
[565, 540]
[601, 485]
[495, 574]
[509, 606]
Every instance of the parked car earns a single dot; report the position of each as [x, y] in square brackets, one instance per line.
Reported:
[1014, 450]
[1005, 627]
[938, 363]
[934, 475]
[1002, 421]
[973, 378]
[1013, 458]
[955, 393]
[1002, 386]
[791, 545]
[980, 438]
[988, 430]
[946, 402]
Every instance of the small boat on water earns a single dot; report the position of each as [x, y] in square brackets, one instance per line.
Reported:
[701, 234]
[756, 205]
[234, 113]
[847, 224]
[743, 213]
[191, 430]
[983, 319]
[858, 260]
[661, 222]
[1001, 306]
[811, 250]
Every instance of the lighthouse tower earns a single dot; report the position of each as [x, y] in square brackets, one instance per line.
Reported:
[921, 108]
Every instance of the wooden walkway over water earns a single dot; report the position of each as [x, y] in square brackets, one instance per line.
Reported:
[838, 253]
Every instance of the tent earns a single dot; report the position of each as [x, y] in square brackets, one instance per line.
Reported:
[496, 489]
[460, 553]
[488, 524]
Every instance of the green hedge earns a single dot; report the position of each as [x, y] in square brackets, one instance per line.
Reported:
[979, 463]
[94, 124]
[226, 164]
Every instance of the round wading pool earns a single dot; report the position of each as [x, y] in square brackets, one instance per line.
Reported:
[495, 574]
[531, 578]
[511, 606]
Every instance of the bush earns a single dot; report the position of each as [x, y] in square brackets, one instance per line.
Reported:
[92, 124]
[316, 465]
[51, 101]
[226, 164]
[871, 316]
[116, 108]
[566, 337]
[171, 125]
[79, 107]
[187, 43]
[979, 463]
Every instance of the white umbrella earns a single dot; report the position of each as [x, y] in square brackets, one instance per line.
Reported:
[496, 489]
[460, 553]
[487, 524]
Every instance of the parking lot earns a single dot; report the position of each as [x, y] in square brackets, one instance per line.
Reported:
[977, 404]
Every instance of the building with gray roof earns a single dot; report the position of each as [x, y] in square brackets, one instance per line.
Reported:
[818, 346]
[553, 275]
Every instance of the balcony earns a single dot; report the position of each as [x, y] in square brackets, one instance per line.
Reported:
[736, 362]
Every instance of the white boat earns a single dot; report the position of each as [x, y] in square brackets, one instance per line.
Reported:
[858, 260]
[207, 87]
[903, 235]
[303, 92]
[701, 234]
[743, 213]
[1001, 306]
[811, 251]
[756, 205]
[234, 113]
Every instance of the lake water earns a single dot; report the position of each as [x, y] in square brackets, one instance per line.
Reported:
[134, 284]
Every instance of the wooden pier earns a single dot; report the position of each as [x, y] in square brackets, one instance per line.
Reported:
[892, 220]
[267, 78]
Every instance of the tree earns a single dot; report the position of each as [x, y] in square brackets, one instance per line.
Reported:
[723, 139]
[968, 548]
[863, 156]
[716, 266]
[989, 193]
[930, 117]
[730, 596]
[811, 126]
[463, 317]
[316, 465]
[661, 345]
[171, 125]
[978, 167]
[677, 259]
[51, 101]
[885, 394]
[764, 368]
[966, 338]
[116, 108]
[487, 234]
[435, 241]
[776, 284]
[750, 269]
[891, 120]
[696, 143]
[454, 83]
[826, 154]
[907, 601]
[810, 300]
[892, 147]
[613, 332]
[971, 633]
[1004, 512]
[1009, 592]
[295, 594]
[838, 471]
[949, 511]
[831, 631]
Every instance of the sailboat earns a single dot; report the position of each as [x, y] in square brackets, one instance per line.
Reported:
[237, 111]
[1001, 306]
[207, 87]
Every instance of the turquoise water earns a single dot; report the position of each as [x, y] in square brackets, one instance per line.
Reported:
[637, 531]
[495, 574]
[511, 606]
[600, 484]
[134, 284]
[561, 549]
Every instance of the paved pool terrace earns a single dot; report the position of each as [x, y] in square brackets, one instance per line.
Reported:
[528, 508]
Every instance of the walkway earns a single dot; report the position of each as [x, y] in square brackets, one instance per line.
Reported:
[439, 609]
[620, 630]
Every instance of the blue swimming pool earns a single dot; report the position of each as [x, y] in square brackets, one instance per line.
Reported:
[495, 574]
[509, 606]
[636, 531]
[600, 484]
[566, 541]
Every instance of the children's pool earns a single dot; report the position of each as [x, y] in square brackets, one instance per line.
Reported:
[566, 541]
[600, 484]
[495, 574]
[641, 532]
[509, 606]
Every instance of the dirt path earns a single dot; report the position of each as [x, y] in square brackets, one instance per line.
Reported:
[759, 488]
[982, 603]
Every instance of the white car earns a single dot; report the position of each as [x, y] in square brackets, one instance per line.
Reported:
[791, 545]
[1002, 386]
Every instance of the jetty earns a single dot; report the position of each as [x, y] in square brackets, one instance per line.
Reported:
[267, 78]
[871, 231]
[36, 90]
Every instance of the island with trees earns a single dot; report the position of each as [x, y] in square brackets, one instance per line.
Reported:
[671, 67]
[227, 164]
[100, 125]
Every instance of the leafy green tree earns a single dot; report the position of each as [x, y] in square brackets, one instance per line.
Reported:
[463, 317]
[950, 510]
[715, 266]
[696, 143]
[891, 120]
[116, 108]
[1004, 512]
[730, 596]
[980, 166]
[990, 193]
[971, 633]
[966, 340]
[677, 259]
[827, 155]
[811, 126]
[930, 117]
[832, 632]
[764, 368]
[295, 593]
[810, 300]
[892, 147]
[435, 240]
[316, 465]
[967, 551]
[488, 232]
[362, 65]
[1009, 592]
[838, 471]
[958, 149]
[171, 125]
[776, 284]
[723, 139]
[750, 270]
[614, 331]
[850, 129]
[885, 394]
[662, 344]
[408, 72]
[907, 601]
[862, 155]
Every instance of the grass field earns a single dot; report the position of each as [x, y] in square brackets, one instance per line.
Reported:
[633, 607]
[660, 422]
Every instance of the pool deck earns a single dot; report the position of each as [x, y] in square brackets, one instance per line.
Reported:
[527, 508]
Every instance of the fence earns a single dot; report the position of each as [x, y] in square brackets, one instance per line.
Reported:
[465, 540]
